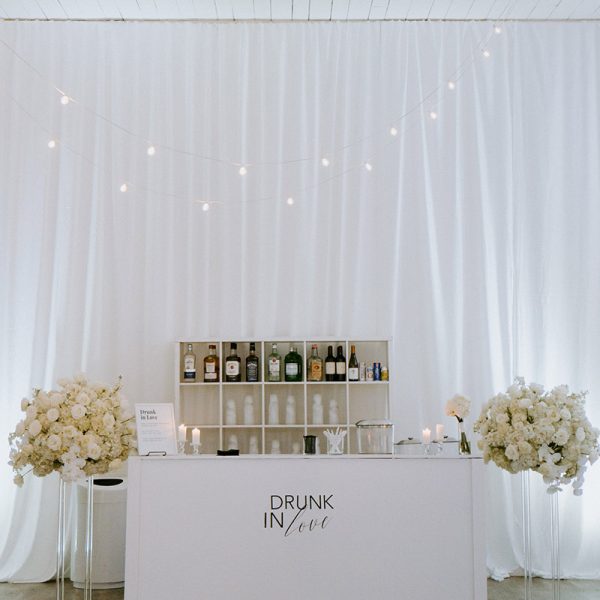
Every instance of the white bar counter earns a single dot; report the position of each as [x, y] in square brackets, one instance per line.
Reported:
[300, 527]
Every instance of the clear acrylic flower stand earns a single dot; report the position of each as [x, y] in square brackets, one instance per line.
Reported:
[554, 540]
[61, 540]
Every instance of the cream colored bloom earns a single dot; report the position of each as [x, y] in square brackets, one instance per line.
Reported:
[35, 427]
[78, 411]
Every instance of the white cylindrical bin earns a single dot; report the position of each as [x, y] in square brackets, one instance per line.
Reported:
[108, 553]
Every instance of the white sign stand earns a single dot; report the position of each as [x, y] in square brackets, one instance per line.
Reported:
[155, 429]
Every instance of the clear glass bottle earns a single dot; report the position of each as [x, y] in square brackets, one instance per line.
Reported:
[353, 365]
[340, 365]
[330, 365]
[274, 363]
[233, 362]
[314, 365]
[252, 364]
[211, 365]
[189, 364]
[293, 365]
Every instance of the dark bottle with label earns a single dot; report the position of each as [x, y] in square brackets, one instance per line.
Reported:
[293, 365]
[252, 364]
[330, 365]
[353, 365]
[233, 362]
[340, 365]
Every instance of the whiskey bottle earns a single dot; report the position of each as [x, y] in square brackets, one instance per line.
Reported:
[340, 365]
[189, 364]
[353, 365]
[232, 365]
[211, 365]
[252, 364]
[314, 365]
[330, 365]
[274, 372]
[293, 365]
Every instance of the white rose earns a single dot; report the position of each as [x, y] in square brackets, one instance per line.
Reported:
[54, 442]
[77, 411]
[53, 414]
[24, 404]
[31, 412]
[94, 451]
[108, 420]
[35, 427]
[561, 437]
[20, 428]
[512, 452]
[580, 434]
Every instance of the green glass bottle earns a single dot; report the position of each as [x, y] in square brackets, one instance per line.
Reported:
[293, 365]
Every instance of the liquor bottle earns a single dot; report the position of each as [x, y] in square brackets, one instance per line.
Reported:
[252, 364]
[330, 365]
[340, 365]
[293, 365]
[211, 365]
[314, 365]
[353, 365]
[232, 365]
[189, 364]
[274, 373]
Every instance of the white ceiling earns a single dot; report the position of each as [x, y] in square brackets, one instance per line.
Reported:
[345, 10]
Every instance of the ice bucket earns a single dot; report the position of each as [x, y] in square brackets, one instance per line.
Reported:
[375, 436]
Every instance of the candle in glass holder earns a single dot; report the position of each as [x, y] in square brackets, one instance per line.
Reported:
[439, 433]
[195, 436]
[426, 435]
[181, 432]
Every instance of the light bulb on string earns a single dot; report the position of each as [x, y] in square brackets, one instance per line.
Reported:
[242, 171]
[123, 187]
[393, 131]
[64, 99]
[205, 206]
[433, 115]
[497, 30]
[325, 161]
[368, 166]
[151, 151]
[451, 85]
[290, 201]
[52, 144]
[487, 53]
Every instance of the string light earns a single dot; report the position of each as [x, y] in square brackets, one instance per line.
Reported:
[368, 166]
[290, 201]
[486, 53]
[451, 85]
[123, 187]
[242, 171]
[325, 161]
[52, 144]
[393, 131]
[64, 99]
[151, 151]
[205, 206]
[433, 115]
[497, 29]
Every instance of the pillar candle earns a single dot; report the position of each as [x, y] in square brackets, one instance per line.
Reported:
[195, 436]
[439, 433]
[426, 435]
[181, 432]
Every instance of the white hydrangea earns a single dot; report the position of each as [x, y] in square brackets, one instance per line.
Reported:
[458, 406]
[78, 430]
[548, 432]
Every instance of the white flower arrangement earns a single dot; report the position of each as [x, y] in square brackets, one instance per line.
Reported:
[460, 406]
[527, 427]
[78, 430]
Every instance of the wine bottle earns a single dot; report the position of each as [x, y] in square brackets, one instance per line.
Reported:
[353, 365]
[340, 365]
[252, 364]
[330, 365]
[274, 373]
[189, 364]
[314, 365]
[232, 365]
[293, 365]
[211, 365]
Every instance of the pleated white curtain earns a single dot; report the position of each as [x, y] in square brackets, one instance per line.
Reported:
[473, 241]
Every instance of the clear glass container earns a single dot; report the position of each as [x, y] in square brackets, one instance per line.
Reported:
[375, 436]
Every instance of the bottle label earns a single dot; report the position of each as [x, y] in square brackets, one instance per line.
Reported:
[274, 367]
[209, 368]
[291, 369]
[316, 371]
[353, 373]
[252, 372]
[232, 368]
[210, 376]
[189, 367]
[330, 368]
[340, 368]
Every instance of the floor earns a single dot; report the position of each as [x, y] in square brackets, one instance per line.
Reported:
[509, 589]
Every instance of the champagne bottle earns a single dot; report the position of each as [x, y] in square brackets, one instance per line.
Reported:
[314, 366]
[330, 365]
[340, 365]
[189, 364]
[353, 365]
[274, 373]
[232, 365]
[211, 365]
[293, 365]
[252, 364]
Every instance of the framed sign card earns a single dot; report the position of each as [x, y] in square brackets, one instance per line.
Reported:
[155, 429]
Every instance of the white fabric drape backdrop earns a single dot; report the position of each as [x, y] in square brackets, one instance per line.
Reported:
[473, 242]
